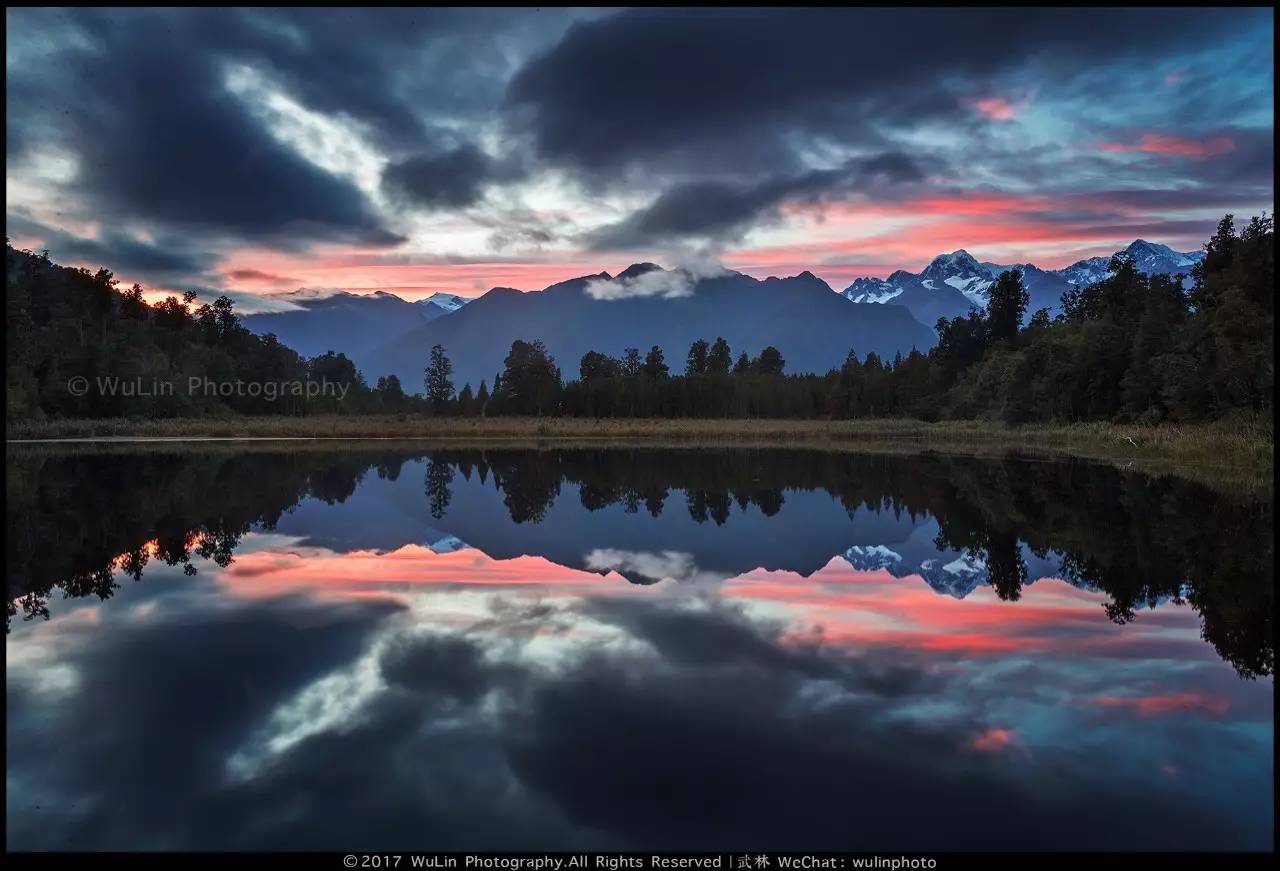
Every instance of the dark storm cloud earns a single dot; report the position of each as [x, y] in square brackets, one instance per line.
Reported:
[709, 730]
[160, 139]
[161, 732]
[140, 97]
[724, 91]
[449, 179]
[721, 210]
[119, 251]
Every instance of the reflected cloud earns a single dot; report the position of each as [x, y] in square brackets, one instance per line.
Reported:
[324, 665]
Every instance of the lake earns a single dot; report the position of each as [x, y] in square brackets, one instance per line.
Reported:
[404, 647]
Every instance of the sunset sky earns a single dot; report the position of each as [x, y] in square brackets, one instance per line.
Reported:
[253, 151]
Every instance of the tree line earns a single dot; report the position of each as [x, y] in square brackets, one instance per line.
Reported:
[62, 323]
[1130, 348]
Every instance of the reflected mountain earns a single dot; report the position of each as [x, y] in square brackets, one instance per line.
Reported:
[690, 516]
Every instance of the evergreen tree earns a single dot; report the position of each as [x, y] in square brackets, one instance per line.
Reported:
[466, 401]
[720, 358]
[530, 379]
[654, 367]
[597, 365]
[697, 361]
[1007, 302]
[743, 366]
[439, 380]
[770, 362]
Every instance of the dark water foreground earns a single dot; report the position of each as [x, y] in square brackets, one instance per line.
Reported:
[724, 649]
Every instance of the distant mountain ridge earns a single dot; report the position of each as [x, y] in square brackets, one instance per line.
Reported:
[952, 283]
[645, 305]
[345, 322]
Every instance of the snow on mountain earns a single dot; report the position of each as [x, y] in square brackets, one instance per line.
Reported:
[871, 557]
[959, 270]
[1149, 257]
[954, 282]
[447, 301]
[1156, 259]
[447, 544]
[1085, 272]
[949, 572]
[872, 290]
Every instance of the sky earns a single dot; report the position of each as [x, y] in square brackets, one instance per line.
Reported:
[254, 152]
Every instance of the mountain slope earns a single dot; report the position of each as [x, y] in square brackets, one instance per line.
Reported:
[903, 288]
[349, 323]
[1149, 257]
[811, 325]
[954, 282]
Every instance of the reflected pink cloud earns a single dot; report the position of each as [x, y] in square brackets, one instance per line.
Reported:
[1164, 704]
[837, 605]
[994, 740]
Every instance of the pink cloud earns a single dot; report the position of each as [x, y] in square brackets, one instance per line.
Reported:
[994, 740]
[1167, 703]
[995, 108]
[1172, 146]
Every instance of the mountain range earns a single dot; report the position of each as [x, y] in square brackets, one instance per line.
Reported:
[350, 323]
[953, 283]
[644, 305]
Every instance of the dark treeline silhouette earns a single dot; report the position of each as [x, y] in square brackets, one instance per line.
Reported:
[1140, 540]
[145, 506]
[1130, 348]
[62, 323]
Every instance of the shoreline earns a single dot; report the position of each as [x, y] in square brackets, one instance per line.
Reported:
[1246, 442]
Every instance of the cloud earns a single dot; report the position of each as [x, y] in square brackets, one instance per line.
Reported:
[723, 211]
[449, 179]
[552, 135]
[735, 92]
[652, 281]
[163, 259]
[996, 108]
[1173, 146]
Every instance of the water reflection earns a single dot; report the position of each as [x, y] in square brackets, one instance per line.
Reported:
[815, 650]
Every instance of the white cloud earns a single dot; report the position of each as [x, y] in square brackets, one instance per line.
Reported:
[660, 283]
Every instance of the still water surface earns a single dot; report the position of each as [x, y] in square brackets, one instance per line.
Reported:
[410, 648]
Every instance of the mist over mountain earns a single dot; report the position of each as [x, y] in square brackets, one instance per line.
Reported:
[645, 305]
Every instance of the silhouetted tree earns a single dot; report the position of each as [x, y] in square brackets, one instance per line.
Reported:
[697, 361]
[439, 380]
[720, 358]
[654, 366]
[770, 362]
[1007, 302]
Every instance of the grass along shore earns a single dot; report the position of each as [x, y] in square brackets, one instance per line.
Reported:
[1240, 442]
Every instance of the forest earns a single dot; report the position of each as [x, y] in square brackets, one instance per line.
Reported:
[1132, 348]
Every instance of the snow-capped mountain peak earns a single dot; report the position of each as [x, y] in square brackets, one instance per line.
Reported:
[954, 282]
[960, 270]
[1153, 258]
[447, 301]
